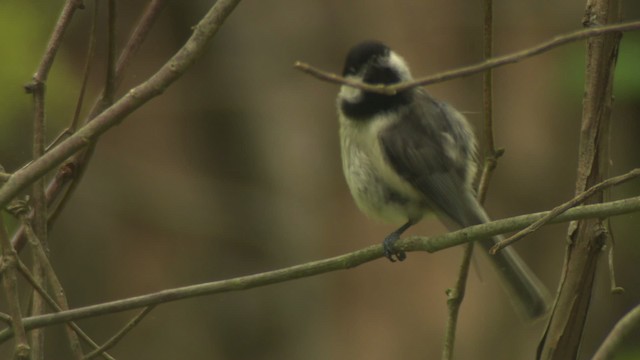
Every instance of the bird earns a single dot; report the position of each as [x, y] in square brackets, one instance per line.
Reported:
[409, 154]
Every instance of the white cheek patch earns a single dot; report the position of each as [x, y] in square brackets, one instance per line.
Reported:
[397, 62]
[350, 94]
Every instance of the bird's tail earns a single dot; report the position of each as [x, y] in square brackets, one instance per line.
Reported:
[525, 290]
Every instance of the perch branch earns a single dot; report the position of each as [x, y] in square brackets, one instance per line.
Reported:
[342, 262]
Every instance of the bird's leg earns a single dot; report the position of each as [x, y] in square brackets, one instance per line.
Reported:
[391, 239]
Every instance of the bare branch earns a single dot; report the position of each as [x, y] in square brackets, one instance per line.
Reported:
[52, 303]
[337, 79]
[135, 98]
[566, 325]
[8, 265]
[61, 303]
[455, 295]
[342, 262]
[69, 175]
[93, 34]
[564, 207]
[118, 336]
[623, 328]
[472, 69]
[137, 37]
[41, 74]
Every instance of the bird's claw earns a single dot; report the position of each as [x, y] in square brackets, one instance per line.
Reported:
[393, 254]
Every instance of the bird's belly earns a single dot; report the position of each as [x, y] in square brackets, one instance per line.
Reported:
[377, 190]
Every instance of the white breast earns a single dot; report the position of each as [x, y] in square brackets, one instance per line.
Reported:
[369, 176]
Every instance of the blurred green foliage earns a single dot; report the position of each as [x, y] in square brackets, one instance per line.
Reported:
[24, 31]
[627, 75]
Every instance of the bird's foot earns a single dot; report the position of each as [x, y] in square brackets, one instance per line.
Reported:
[389, 251]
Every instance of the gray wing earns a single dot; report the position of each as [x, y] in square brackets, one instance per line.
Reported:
[432, 149]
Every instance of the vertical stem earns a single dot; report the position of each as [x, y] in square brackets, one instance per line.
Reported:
[70, 7]
[87, 69]
[9, 283]
[69, 174]
[39, 224]
[54, 283]
[37, 88]
[487, 88]
[454, 301]
[490, 153]
[456, 295]
[564, 331]
[110, 81]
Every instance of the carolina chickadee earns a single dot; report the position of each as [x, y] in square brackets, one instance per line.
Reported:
[408, 154]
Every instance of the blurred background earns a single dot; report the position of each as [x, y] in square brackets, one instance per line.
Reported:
[235, 170]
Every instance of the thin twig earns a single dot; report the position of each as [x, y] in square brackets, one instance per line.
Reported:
[37, 88]
[137, 37]
[40, 257]
[70, 174]
[24, 270]
[6, 318]
[93, 35]
[110, 81]
[120, 334]
[342, 262]
[622, 329]
[10, 284]
[456, 295]
[472, 69]
[564, 207]
[134, 99]
[337, 79]
[615, 289]
[41, 74]
[39, 217]
[62, 186]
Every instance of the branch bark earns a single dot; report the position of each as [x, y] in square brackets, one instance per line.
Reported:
[472, 69]
[455, 295]
[586, 238]
[624, 328]
[342, 262]
[135, 98]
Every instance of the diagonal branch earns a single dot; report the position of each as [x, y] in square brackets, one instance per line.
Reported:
[341, 262]
[120, 334]
[134, 99]
[54, 305]
[472, 69]
[624, 328]
[564, 207]
[67, 177]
